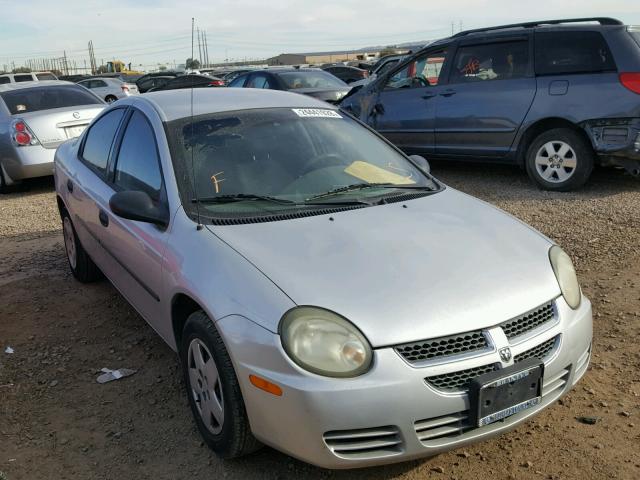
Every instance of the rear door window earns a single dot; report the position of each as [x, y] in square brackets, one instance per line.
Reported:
[23, 78]
[45, 98]
[258, 80]
[490, 61]
[138, 165]
[559, 53]
[238, 82]
[99, 140]
[4, 80]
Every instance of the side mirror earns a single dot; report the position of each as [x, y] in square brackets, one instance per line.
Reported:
[421, 162]
[137, 205]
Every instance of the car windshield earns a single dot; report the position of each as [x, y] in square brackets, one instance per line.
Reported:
[34, 99]
[310, 79]
[297, 158]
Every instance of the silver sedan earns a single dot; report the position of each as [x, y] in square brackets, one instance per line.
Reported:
[326, 295]
[109, 88]
[36, 117]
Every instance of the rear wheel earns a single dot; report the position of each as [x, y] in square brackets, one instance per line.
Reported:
[80, 263]
[213, 389]
[559, 159]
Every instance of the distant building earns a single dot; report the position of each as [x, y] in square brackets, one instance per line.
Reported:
[323, 57]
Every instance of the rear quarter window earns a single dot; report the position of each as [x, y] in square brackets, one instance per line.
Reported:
[558, 53]
[45, 76]
[46, 98]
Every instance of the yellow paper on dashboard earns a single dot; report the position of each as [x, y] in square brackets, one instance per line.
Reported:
[374, 174]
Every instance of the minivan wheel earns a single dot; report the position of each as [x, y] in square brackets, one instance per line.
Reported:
[213, 389]
[81, 265]
[559, 159]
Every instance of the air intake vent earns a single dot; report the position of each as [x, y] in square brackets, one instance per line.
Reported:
[365, 443]
[528, 321]
[445, 426]
[443, 347]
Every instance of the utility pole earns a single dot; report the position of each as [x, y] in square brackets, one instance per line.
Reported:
[206, 48]
[199, 47]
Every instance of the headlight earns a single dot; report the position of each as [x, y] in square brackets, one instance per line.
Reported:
[323, 342]
[566, 275]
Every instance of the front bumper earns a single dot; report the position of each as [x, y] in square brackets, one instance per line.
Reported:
[391, 414]
[28, 162]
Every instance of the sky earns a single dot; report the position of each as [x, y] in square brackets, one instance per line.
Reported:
[148, 33]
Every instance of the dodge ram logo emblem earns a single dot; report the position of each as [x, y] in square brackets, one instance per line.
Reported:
[505, 354]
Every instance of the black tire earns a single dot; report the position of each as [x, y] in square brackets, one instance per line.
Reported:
[84, 270]
[235, 438]
[554, 176]
[110, 99]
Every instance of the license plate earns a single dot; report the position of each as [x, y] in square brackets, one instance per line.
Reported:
[497, 395]
[73, 132]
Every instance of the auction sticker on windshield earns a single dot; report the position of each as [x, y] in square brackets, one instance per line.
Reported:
[316, 113]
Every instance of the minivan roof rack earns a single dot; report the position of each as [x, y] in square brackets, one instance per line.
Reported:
[600, 20]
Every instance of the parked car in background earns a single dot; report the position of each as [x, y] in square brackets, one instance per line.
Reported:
[232, 75]
[74, 78]
[309, 81]
[192, 80]
[35, 118]
[379, 68]
[109, 89]
[326, 295]
[149, 83]
[145, 82]
[555, 97]
[26, 77]
[347, 74]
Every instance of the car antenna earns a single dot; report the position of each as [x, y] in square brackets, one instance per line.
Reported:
[199, 225]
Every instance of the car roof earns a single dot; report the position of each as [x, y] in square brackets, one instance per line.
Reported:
[6, 87]
[175, 104]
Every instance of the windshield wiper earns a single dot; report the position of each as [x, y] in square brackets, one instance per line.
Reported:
[239, 197]
[362, 186]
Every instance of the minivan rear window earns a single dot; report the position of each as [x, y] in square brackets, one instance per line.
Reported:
[45, 76]
[560, 53]
[34, 99]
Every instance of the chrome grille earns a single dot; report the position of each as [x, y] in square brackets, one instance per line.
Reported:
[364, 443]
[443, 346]
[458, 381]
[539, 351]
[528, 321]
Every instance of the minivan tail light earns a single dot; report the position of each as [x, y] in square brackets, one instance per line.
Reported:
[631, 81]
[21, 134]
[216, 83]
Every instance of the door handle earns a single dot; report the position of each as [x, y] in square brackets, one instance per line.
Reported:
[69, 185]
[448, 93]
[104, 218]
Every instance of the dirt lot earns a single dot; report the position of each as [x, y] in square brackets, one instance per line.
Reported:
[57, 422]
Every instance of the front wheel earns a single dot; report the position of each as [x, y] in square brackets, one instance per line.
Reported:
[81, 265]
[559, 159]
[213, 389]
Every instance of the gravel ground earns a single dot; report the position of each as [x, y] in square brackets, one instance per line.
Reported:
[57, 422]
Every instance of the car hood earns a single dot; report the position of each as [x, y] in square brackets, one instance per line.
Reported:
[441, 264]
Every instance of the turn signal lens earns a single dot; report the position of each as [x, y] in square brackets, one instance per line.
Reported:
[265, 385]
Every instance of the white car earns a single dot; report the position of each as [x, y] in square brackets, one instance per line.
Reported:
[110, 89]
[26, 77]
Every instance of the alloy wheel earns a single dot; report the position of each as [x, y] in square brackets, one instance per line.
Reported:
[556, 161]
[205, 386]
